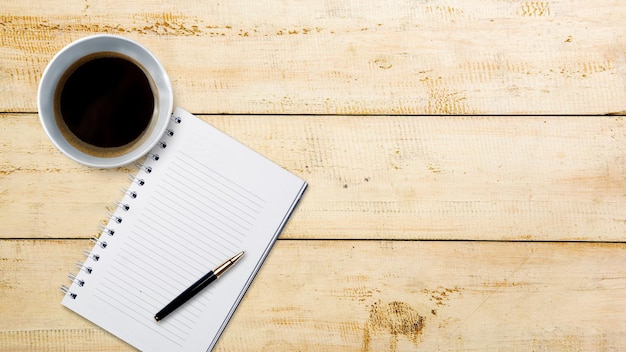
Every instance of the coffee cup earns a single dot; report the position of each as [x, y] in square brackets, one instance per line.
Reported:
[105, 100]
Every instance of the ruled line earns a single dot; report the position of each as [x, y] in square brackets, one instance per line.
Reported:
[188, 248]
[141, 283]
[201, 229]
[165, 274]
[192, 192]
[133, 283]
[209, 214]
[192, 310]
[200, 166]
[174, 337]
[125, 269]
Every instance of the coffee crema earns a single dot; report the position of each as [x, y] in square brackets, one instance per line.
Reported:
[106, 102]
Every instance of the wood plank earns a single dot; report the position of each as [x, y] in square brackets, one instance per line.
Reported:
[403, 57]
[488, 178]
[349, 295]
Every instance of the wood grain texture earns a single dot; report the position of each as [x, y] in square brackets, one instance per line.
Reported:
[340, 57]
[348, 296]
[437, 232]
[474, 178]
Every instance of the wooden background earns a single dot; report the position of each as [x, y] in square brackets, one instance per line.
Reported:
[465, 159]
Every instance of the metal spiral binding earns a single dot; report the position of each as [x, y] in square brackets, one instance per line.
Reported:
[73, 278]
[123, 206]
[102, 244]
[137, 180]
[169, 132]
[83, 267]
[104, 229]
[162, 144]
[128, 192]
[146, 169]
[93, 256]
[176, 119]
[153, 156]
[66, 290]
[115, 218]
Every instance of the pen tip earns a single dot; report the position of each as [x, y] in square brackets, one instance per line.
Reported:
[157, 318]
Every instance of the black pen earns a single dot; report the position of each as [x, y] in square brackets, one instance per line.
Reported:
[197, 287]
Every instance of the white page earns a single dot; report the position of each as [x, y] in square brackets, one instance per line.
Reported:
[207, 198]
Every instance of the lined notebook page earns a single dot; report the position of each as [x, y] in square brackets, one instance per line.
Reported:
[206, 198]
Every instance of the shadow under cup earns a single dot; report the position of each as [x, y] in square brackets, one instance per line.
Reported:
[105, 101]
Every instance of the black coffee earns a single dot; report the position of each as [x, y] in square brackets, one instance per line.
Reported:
[107, 102]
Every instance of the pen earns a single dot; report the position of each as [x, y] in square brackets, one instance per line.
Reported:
[197, 287]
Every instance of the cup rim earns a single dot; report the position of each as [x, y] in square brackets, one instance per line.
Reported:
[90, 45]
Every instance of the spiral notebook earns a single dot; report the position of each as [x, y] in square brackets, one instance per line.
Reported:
[199, 198]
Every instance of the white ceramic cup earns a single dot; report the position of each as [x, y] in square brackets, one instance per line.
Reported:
[75, 52]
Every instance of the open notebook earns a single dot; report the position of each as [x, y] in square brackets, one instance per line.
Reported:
[199, 198]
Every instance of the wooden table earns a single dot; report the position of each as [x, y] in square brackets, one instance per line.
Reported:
[466, 161]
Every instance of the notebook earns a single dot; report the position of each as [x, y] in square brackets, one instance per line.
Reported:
[199, 198]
